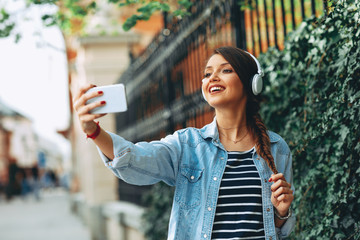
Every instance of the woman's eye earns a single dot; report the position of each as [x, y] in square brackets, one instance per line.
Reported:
[207, 75]
[227, 70]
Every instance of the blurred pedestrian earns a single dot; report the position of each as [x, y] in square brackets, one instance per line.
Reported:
[13, 186]
[2, 190]
[233, 177]
[27, 183]
[36, 182]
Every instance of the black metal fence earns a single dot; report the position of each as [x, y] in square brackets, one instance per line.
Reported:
[163, 85]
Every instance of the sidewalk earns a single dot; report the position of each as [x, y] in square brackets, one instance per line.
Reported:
[47, 219]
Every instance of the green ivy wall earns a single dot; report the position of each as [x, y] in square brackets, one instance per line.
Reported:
[312, 99]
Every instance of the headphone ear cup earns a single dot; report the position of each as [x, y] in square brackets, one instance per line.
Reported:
[256, 84]
[202, 91]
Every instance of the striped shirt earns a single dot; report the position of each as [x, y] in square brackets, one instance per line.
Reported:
[239, 207]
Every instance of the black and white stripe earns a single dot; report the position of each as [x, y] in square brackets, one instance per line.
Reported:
[239, 207]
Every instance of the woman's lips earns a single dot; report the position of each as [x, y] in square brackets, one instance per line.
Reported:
[214, 89]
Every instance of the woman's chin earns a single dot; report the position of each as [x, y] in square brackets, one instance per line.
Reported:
[218, 103]
[223, 103]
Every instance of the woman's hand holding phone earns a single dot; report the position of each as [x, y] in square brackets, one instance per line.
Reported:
[83, 110]
[93, 102]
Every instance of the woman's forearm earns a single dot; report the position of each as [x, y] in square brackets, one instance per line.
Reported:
[105, 144]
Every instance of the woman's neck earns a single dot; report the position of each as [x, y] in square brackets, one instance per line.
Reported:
[230, 119]
[234, 133]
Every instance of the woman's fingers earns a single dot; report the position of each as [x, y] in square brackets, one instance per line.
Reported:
[90, 117]
[82, 90]
[285, 197]
[282, 191]
[85, 109]
[282, 194]
[281, 188]
[83, 97]
[278, 184]
[275, 177]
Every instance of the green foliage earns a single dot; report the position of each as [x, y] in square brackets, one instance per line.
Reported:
[147, 9]
[76, 10]
[246, 4]
[6, 25]
[313, 101]
[145, 12]
[40, 2]
[156, 217]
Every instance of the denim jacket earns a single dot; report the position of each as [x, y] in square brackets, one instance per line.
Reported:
[193, 160]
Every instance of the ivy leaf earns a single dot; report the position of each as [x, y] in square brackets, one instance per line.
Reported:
[49, 20]
[92, 5]
[130, 22]
[185, 3]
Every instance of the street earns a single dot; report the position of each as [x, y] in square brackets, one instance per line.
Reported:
[49, 218]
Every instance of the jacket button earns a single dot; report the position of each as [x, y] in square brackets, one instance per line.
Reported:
[268, 209]
[205, 236]
[215, 178]
[258, 158]
[209, 208]
[192, 177]
[270, 238]
[222, 158]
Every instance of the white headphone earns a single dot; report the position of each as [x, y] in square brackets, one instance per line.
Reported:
[256, 82]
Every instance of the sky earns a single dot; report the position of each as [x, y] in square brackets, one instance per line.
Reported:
[33, 74]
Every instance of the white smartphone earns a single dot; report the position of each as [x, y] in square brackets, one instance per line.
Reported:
[115, 98]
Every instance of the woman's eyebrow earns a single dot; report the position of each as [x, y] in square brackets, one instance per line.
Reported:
[220, 65]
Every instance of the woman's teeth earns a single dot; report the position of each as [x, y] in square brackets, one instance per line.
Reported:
[214, 89]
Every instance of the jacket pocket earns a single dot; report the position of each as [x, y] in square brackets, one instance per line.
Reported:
[188, 188]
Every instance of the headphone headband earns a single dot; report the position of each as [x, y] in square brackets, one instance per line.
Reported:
[260, 72]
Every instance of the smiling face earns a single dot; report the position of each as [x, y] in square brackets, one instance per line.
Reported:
[222, 86]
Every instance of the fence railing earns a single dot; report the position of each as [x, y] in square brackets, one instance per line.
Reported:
[164, 84]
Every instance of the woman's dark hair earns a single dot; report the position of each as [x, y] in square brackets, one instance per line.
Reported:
[245, 67]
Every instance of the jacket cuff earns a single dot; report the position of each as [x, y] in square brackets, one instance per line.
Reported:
[120, 147]
[287, 228]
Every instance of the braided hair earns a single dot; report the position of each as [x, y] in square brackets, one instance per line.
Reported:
[245, 67]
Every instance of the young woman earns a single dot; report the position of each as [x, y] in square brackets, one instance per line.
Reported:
[232, 178]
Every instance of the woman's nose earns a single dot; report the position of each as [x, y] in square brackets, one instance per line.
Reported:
[214, 77]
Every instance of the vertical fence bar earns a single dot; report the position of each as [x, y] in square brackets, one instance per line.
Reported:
[313, 7]
[266, 24]
[258, 24]
[302, 2]
[283, 16]
[238, 21]
[275, 25]
[293, 14]
[252, 49]
[191, 65]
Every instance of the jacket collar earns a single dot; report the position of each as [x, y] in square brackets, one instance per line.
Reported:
[211, 131]
[273, 137]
